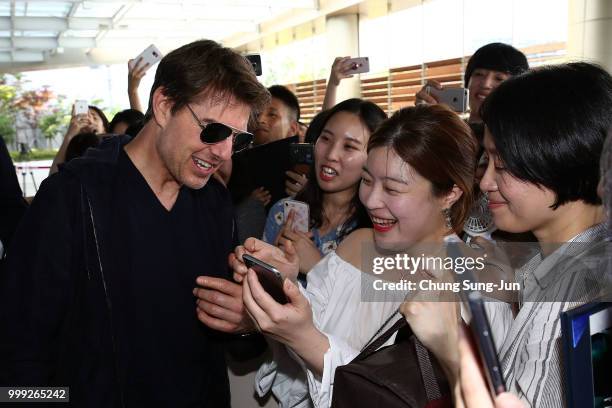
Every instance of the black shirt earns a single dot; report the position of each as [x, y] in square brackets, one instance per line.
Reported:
[169, 357]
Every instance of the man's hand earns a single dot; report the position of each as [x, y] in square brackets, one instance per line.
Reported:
[220, 306]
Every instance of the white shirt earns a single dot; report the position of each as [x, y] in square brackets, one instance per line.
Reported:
[334, 292]
[530, 353]
[340, 296]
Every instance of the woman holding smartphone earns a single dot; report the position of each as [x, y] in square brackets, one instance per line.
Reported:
[331, 192]
[417, 190]
[542, 175]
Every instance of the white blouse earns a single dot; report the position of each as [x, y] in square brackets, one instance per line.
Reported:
[349, 321]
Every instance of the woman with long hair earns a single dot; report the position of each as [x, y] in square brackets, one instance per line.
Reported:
[417, 190]
[332, 190]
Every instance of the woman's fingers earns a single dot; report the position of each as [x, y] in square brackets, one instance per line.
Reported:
[254, 310]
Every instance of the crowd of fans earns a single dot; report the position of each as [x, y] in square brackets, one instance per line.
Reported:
[125, 279]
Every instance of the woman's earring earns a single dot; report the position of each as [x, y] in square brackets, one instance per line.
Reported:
[447, 218]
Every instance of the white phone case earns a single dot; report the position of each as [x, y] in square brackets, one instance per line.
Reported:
[301, 214]
[150, 55]
[81, 107]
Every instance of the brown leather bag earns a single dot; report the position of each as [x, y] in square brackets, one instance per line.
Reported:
[403, 374]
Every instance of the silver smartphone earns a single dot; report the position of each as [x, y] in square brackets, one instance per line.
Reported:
[269, 277]
[359, 65]
[455, 98]
[150, 56]
[81, 107]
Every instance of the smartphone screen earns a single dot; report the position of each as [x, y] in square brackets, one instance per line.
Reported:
[301, 153]
[269, 277]
[255, 60]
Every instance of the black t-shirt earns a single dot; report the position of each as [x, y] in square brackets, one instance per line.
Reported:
[169, 357]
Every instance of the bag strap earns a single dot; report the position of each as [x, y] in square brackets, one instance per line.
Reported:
[379, 339]
[432, 389]
[428, 375]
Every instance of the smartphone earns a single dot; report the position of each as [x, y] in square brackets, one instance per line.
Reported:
[359, 65]
[480, 328]
[301, 153]
[269, 277]
[255, 60]
[150, 55]
[81, 107]
[301, 214]
[455, 98]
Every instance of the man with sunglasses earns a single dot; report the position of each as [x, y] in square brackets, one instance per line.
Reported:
[97, 295]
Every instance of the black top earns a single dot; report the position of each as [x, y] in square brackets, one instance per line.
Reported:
[159, 255]
[12, 204]
[98, 289]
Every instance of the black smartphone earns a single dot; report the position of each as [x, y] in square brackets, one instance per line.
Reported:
[269, 277]
[301, 153]
[481, 332]
[255, 60]
[480, 328]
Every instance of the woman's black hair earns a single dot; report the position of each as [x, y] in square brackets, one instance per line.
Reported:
[371, 115]
[127, 116]
[315, 127]
[549, 125]
[102, 116]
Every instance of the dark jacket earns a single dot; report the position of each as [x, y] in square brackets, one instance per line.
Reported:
[12, 204]
[57, 304]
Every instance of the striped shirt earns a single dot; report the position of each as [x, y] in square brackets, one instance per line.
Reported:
[530, 353]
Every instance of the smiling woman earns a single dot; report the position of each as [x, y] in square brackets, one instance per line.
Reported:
[544, 135]
[331, 192]
[420, 162]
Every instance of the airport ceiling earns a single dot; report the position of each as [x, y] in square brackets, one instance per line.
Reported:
[43, 34]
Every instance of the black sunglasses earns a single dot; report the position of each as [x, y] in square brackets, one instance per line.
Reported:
[215, 132]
